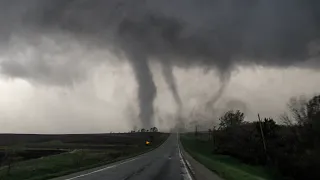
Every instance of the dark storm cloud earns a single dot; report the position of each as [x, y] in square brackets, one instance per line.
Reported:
[208, 33]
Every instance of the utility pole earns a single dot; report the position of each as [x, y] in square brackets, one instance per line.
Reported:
[262, 135]
[213, 138]
[196, 132]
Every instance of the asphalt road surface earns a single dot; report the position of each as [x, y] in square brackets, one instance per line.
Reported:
[163, 163]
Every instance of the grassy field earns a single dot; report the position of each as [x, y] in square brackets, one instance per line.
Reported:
[76, 154]
[225, 166]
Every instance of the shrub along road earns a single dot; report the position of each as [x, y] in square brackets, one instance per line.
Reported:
[226, 167]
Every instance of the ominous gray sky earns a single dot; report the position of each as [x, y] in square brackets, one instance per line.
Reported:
[54, 47]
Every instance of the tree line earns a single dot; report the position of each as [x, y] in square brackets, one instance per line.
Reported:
[153, 129]
[291, 147]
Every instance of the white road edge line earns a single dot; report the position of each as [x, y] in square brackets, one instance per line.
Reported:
[99, 170]
[181, 159]
[191, 169]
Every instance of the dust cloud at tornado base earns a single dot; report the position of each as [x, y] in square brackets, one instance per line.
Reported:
[216, 35]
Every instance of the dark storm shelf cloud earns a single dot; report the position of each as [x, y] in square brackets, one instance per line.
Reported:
[215, 32]
[207, 33]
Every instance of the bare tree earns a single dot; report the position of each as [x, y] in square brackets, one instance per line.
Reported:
[154, 129]
[231, 118]
[79, 157]
[11, 157]
[286, 120]
[298, 108]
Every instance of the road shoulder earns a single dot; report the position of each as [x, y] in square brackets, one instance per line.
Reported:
[198, 170]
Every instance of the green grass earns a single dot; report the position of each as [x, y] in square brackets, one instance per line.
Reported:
[55, 165]
[70, 162]
[225, 166]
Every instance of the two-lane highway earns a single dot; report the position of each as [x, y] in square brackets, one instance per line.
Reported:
[163, 163]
